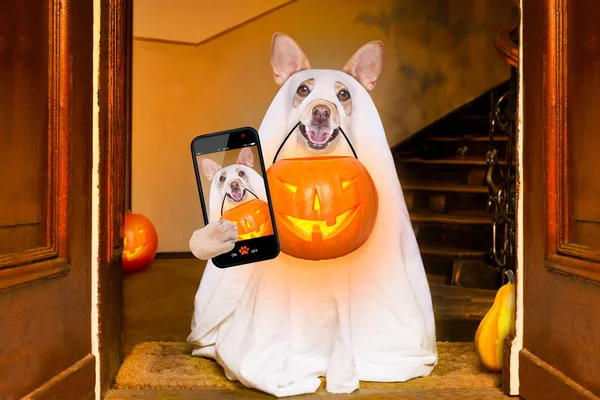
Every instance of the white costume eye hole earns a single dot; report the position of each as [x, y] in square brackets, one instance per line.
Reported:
[303, 90]
[241, 174]
[343, 95]
[222, 178]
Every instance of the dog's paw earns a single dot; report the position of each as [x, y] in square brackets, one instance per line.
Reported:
[214, 239]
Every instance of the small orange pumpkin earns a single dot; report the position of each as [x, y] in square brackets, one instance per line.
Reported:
[325, 207]
[252, 218]
[140, 243]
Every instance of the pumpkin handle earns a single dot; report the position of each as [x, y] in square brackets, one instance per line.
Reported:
[511, 276]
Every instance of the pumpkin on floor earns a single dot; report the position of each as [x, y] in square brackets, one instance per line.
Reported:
[497, 324]
[139, 244]
[325, 207]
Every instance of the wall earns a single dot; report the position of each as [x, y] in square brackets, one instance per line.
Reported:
[194, 21]
[439, 55]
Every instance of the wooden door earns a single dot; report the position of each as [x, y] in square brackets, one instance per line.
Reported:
[45, 199]
[116, 39]
[561, 144]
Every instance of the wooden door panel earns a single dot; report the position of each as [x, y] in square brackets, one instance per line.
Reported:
[34, 199]
[45, 218]
[561, 277]
[583, 123]
[22, 70]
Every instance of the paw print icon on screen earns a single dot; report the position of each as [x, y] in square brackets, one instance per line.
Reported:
[243, 250]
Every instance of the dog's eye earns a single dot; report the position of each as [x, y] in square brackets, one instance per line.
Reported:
[303, 90]
[222, 178]
[343, 95]
[242, 174]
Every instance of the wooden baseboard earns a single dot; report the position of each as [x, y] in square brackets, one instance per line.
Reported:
[76, 382]
[175, 254]
[540, 380]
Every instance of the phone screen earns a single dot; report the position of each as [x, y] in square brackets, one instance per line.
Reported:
[232, 184]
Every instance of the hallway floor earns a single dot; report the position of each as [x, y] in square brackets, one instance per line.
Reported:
[158, 306]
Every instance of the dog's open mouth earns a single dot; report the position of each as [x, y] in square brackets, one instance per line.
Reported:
[237, 195]
[318, 136]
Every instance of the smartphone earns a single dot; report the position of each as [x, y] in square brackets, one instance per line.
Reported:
[232, 183]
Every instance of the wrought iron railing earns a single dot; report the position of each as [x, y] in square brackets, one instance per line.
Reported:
[501, 177]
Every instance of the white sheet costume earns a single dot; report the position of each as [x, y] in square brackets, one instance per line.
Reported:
[278, 325]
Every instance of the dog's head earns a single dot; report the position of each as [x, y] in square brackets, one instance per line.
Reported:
[233, 181]
[324, 103]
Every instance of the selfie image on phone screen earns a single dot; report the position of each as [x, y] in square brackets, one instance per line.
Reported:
[230, 175]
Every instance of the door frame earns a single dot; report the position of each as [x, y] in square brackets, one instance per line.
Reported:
[114, 170]
[114, 177]
[514, 343]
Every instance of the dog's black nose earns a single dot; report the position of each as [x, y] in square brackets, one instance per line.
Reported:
[321, 112]
[235, 185]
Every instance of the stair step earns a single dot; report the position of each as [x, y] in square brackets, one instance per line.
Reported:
[475, 117]
[455, 302]
[477, 237]
[459, 161]
[452, 219]
[450, 252]
[443, 187]
[466, 138]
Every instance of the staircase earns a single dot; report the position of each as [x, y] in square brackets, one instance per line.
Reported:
[442, 170]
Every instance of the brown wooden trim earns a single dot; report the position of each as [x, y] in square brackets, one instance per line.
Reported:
[59, 119]
[581, 269]
[12, 278]
[556, 126]
[508, 50]
[34, 264]
[580, 251]
[175, 254]
[558, 204]
[557, 386]
[115, 122]
[506, 370]
[218, 35]
[74, 382]
[27, 257]
[128, 104]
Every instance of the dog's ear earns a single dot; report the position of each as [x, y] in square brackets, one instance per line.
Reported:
[365, 65]
[287, 58]
[209, 168]
[246, 157]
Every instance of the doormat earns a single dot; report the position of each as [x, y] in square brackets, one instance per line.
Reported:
[170, 365]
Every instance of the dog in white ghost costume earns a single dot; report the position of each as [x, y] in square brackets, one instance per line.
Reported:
[280, 325]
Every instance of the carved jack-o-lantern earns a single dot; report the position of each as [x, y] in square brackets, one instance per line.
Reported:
[140, 243]
[325, 207]
[253, 219]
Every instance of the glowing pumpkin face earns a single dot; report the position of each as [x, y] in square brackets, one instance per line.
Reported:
[325, 207]
[140, 243]
[253, 219]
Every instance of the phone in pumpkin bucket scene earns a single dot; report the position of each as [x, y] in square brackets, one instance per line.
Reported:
[230, 174]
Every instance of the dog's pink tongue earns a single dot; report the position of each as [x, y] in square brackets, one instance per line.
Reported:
[237, 195]
[319, 135]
